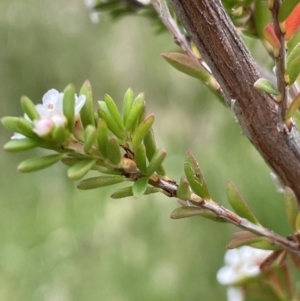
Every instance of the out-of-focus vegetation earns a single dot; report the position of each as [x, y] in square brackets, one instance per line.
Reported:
[58, 243]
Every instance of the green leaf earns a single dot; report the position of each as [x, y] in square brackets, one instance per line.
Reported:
[139, 98]
[291, 207]
[292, 55]
[18, 145]
[183, 212]
[102, 137]
[113, 151]
[140, 158]
[294, 106]
[78, 170]
[139, 187]
[183, 190]
[101, 181]
[87, 111]
[293, 70]
[29, 108]
[60, 134]
[156, 161]
[127, 104]
[90, 136]
[127, 191]
[264, 85]
[134, 115]
[245, 238]
[141, 131]
[262, 17]
[35, 164]
[194, 175]
[114, 112]
[239, 205]
[187, 65]
[111, 124]
[19, 125]
[150, 144]
[285, 9]
[69, 106]
[297, 222]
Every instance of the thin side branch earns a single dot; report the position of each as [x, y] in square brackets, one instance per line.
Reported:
[170, 189]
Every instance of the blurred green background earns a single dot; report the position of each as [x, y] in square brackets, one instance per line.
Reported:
[60, 244]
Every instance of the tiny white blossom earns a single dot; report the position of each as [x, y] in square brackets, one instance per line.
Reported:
[235, 294]
[43, 127]
[241, 263]
[51, 113]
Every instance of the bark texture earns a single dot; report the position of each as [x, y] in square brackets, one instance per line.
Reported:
[234, 68]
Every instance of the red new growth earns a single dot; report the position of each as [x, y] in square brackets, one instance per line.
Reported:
[292, 23]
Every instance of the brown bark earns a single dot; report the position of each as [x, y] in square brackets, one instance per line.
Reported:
[235, 70]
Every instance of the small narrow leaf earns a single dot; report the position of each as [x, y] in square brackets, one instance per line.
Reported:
[102, 137]
[286, 8]
[297, 222]
[90, 136]
[60, 134]
[292, 22]
[18, 145]
[134, 115]
[156, 161]
[111, 124]
[101, 181]
[139, 187]
[183, 212]
[127, 191]
[270, 36]
[141, 131]
[194, 175]
[262, 84]
[187, 65]
[19, 125]
[292, 55]
[78, 170]
[150, 144]
[183, 190]
[246, 238]
[293, 70]
[113, 151]
[291, 207]
[140, 158]
[239, 205]
[294, 106]
[87, 111]
[69, 106]
[114, 112]
[35, 164]
[127, 104]
[139, 98]
[29, 108]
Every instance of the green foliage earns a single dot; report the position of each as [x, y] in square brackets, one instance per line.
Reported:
[239, 204]
[194, 176]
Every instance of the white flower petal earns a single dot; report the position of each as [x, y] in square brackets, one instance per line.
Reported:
[17, 136]
[227, 275]
[79, 103]
[235, 294]
[43, 127]
[59, 120]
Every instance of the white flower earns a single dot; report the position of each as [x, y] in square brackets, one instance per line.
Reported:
[51, 113]
[235, 294]
[241, 263]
